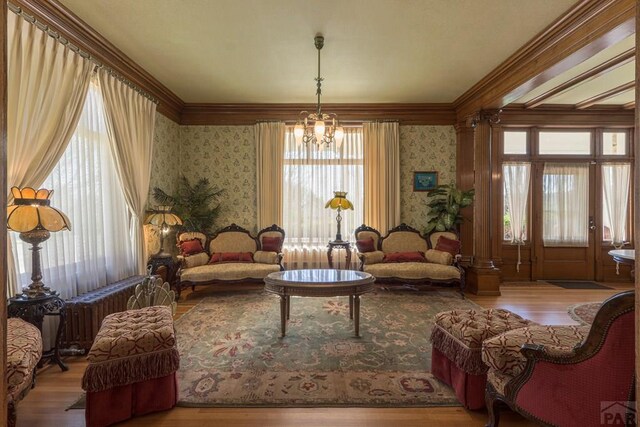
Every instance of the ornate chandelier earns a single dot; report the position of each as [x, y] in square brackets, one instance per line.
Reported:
[318, 128]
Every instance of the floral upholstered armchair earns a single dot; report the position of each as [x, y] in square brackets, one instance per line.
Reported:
[233, 255]
[404, 255]
[565, 375]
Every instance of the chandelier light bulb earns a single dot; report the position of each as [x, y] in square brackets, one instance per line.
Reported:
[319, 131]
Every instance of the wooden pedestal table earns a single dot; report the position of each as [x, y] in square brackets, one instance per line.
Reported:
[319, 283]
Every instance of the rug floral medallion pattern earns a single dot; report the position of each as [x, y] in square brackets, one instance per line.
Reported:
[231, 353]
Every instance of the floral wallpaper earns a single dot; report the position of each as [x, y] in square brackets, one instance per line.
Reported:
[227, 156]
[164, 165]
[424, 148]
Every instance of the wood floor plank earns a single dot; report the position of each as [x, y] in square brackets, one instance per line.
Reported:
[55, 390]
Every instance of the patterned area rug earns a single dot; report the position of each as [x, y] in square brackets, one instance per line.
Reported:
[232, 354]
[584, 313]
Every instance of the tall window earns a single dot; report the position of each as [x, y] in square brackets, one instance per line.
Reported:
[310, 177]
[98, 249]
[616, 179]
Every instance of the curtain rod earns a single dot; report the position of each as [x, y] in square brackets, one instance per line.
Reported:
[64, 41]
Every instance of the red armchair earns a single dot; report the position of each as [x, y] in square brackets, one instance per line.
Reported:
[565, 375]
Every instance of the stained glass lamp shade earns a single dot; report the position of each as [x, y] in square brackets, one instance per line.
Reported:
[340, 203]
[32, 215]
[163, 218]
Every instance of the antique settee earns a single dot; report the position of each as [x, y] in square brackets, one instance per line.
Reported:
[395, 256]
[567, 375]
[232, 255]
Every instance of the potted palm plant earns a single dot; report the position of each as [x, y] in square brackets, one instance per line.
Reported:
[196, 204]
[445, 203]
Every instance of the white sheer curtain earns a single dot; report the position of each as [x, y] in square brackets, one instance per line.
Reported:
[615, 196]
[516, 177]
[98, 249]
[565, 204]
[310, 177]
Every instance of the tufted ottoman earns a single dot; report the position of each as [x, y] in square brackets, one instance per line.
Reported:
[457, 349]
[24, 350]
[132, 365]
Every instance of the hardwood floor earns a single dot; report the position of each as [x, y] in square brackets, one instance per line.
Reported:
[55, 390]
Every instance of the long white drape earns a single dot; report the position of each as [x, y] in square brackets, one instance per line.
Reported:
[130, 119]
[516, 177]
[310, 177]
[615, 194]
[381, 175]
[47, 85]
[565, 203]
[269, 158]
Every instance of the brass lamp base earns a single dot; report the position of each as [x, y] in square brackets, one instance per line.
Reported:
[36, 288]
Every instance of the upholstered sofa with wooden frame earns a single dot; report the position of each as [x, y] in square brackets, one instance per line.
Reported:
[196, 269]
[439, 268]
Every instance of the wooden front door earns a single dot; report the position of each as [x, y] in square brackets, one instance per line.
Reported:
[564, 215]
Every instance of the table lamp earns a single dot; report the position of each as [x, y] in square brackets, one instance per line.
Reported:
[32, 215]
[163, 218]
[339, 202]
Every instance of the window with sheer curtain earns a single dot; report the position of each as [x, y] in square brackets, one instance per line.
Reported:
[310, 177]
[616, 179]
[98, 248]
[565, 203]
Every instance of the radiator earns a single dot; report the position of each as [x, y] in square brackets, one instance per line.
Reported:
[85, 312]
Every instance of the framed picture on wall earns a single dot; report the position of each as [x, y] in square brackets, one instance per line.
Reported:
[425, 181]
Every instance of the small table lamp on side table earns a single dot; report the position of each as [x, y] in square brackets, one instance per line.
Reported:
[32, 215]
[339, 202]
[164, 219]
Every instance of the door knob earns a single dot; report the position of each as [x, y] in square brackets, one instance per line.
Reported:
[592, 224]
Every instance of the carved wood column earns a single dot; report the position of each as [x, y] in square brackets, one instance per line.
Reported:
[483, 278]
[464, 180]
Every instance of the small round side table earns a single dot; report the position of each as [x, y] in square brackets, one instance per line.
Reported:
[33, 310]
[339, 244]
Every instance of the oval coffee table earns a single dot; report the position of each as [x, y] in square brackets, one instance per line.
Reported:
[319, 283]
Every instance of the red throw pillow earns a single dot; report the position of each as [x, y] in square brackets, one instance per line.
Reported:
[271, 244]
[448, 245]
[190, 247]
[219, 257]
[365, 245]
[404, 257]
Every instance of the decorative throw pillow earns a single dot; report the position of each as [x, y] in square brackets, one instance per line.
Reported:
[438, 257]
[404, 257]
[222, 257]
[448, 245]
[190, 247]
[264, 257]
[271, 244]
[196, 260]
[365, 245]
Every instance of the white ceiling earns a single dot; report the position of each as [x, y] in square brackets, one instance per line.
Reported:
[246, 51]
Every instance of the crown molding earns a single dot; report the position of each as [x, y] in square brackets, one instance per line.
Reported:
[61, 19]
[244, 114]
[567, 115]
[585, 29]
